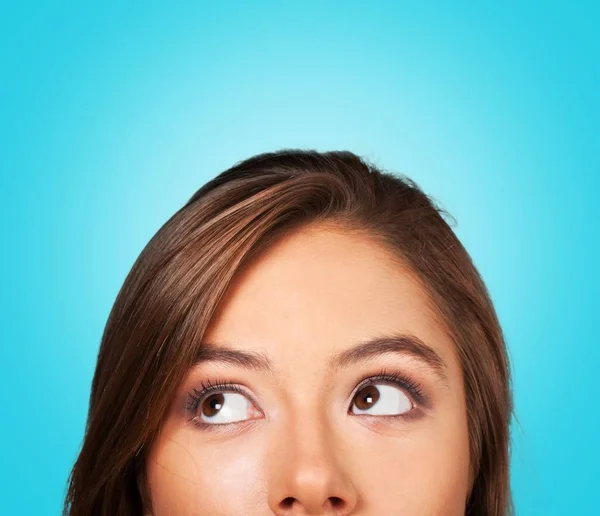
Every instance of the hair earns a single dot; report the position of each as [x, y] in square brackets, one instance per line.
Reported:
[163, 308]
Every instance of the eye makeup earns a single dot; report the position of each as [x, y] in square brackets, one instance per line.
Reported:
[197, 396]
[396, 379]
[407, 383]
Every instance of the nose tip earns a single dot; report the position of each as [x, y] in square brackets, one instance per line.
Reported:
[312, 480]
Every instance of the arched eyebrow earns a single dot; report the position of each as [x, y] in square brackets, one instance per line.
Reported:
[399, 344]
[246, 359]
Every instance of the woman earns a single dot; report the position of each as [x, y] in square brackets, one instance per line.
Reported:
[306, 335]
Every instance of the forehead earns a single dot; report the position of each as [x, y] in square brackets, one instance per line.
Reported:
[319, 291]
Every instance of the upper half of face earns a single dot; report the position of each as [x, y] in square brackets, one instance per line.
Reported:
[323, 430]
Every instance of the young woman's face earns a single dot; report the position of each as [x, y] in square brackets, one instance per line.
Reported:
[331, 390]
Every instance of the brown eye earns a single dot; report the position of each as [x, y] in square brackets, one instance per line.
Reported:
[367, 397]
[381, 400]
[224, 407]
[211, 405]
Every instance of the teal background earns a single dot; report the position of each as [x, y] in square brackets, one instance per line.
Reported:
[113, 115]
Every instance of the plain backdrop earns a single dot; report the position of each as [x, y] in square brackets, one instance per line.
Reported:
[113, 115]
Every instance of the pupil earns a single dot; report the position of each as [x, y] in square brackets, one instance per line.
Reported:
[368, 398]
[212, 404]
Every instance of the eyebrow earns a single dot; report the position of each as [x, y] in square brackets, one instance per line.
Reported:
[397, 343]
[208, 352]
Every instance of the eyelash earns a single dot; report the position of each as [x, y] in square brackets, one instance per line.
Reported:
[196, 395]
[404, 381]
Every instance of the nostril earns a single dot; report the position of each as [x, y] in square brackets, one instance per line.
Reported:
[336, 502]
[333, 502]
[287, 503]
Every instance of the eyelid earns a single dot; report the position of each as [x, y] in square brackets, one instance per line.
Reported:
[404, 381]
[195, 396]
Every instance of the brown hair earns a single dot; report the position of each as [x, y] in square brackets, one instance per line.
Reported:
[174, 288]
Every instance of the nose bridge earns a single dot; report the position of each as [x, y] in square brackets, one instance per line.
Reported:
[312, 441]
[311, 477]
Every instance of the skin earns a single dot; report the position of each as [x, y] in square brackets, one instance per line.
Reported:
[302, 447]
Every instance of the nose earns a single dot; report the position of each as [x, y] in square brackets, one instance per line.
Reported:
[309, 477]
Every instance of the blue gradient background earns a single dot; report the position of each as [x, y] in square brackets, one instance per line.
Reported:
[112, 116]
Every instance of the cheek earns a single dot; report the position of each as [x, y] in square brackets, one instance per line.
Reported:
[422, 471]
[413, 470]
[188, 477]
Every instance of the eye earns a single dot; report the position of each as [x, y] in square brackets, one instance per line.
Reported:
[381, 400]
[224, 407]
[220, 404]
